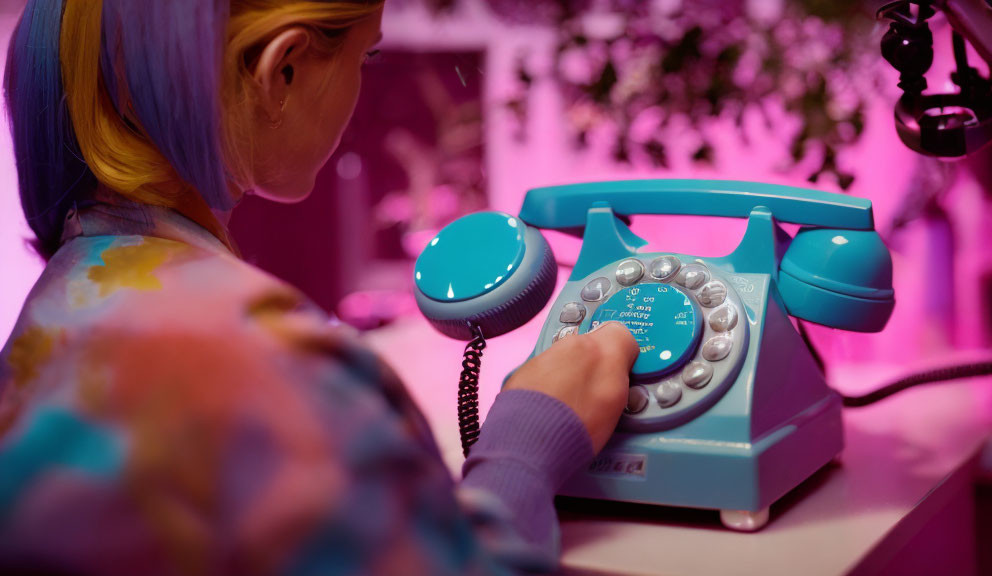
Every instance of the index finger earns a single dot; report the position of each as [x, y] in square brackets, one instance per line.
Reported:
[616, 338]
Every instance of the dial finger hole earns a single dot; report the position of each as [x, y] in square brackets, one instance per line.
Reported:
[724, 319]
[668, 393]
[713, 294]
[717, 348]
[697, 375]
[693, 276]
[664, 268]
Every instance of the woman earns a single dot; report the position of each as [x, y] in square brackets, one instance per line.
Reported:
[167, 408]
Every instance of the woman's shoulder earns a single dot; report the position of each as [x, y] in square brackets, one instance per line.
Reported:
[160, 317]
[121, 293]
[137, 282]
[126, 272]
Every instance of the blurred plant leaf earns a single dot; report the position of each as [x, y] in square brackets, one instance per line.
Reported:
[600, 90]
[710, 58]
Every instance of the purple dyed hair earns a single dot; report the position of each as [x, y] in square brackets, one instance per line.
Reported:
[173, 95]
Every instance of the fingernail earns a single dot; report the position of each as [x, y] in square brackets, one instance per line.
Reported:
[601, 324]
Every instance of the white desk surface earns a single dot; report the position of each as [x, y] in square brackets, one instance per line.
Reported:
[905, 459]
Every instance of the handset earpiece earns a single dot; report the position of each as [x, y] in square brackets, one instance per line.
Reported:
[838, 278]
[487, 270]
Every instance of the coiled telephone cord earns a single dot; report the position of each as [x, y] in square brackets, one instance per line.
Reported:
[468, 390]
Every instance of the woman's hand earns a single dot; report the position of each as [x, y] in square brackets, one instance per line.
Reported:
[589, 373]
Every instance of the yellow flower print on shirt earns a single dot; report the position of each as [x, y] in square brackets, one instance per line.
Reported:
[28, 352]
[133, 266]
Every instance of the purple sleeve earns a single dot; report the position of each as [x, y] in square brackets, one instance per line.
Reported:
[530, 444]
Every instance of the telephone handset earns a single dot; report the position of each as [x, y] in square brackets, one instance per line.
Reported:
[727, 409]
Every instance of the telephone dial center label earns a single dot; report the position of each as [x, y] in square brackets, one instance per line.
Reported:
[663, 320]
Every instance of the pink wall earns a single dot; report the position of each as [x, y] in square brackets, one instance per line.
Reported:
[18, 266]
[884, 168]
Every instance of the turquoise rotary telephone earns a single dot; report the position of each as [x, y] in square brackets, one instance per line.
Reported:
[727, 408]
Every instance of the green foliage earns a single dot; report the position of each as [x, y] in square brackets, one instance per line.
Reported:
[710, 60]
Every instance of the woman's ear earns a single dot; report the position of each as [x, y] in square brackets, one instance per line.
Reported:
[276, 68]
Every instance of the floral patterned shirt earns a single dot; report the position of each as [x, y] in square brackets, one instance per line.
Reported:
[166, 408]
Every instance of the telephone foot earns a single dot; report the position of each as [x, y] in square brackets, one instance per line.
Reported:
[744, 520]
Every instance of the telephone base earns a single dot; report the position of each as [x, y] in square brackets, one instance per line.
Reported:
[665, 469]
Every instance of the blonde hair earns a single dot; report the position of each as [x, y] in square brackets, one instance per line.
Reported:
[140, 131]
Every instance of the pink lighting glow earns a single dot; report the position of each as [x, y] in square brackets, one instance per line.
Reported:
[19, 267]
[467, 110]
[933, 317]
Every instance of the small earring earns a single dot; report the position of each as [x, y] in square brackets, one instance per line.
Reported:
[275, 124]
